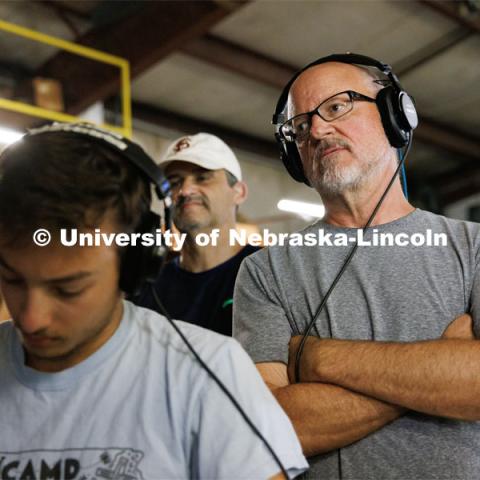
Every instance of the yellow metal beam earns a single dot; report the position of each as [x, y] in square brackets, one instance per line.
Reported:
[34, 111]
[83, 51]
[62, 44]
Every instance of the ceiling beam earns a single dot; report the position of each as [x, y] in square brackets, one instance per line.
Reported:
[457, 185]
[240, 60]
[444, 137]
[432, 50]
[455, 11]
[189, 125]
[156, 30]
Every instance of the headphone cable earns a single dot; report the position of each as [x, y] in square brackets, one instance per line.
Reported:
[214, 377]
[404, 177]
[345, 265]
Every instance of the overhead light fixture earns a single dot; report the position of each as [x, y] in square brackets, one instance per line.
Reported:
[302, 208]
[9, 136]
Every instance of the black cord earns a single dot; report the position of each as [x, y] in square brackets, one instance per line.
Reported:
[345, 265]
[218, 382]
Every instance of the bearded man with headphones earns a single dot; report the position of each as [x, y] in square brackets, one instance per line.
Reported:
[370, 348]
[91, 385]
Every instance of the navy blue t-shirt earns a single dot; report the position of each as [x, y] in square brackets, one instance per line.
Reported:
[203, 298]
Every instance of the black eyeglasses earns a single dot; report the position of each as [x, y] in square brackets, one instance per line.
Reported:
[298, 127]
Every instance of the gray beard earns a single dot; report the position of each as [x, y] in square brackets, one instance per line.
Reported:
[334, 180]
[330, 179]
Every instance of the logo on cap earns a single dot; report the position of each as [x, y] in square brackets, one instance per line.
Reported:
[182, 145]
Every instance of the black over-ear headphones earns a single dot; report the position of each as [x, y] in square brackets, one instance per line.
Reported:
[139, 263]
[396, 107]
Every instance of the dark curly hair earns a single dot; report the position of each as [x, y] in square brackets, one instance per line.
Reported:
[66, 180]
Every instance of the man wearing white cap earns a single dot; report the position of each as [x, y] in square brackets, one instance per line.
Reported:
[207, 189]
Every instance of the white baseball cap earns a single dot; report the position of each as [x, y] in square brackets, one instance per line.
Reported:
[205, 150]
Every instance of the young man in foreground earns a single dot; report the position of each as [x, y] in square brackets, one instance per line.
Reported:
[93, 386]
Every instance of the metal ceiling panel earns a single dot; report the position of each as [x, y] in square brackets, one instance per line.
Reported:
[447, 87]
[194, 88]
[297, 32]
[35, 16]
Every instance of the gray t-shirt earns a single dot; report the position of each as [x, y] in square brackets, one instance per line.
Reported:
[140, 407]
[391, 293]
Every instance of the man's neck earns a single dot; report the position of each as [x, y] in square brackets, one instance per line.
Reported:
[353, 209]
[195, 258]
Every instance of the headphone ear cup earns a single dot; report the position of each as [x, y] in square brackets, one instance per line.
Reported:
[292, 161]
[394, 122]
[141, 263]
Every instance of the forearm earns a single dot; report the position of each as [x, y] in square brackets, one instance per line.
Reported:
[438, 377]
[327, 417]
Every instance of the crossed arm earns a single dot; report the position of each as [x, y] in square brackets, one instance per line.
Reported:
[352, 388]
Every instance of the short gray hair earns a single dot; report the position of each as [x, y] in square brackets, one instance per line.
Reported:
[231, 178]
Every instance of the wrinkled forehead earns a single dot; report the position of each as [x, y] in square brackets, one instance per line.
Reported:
[322, 81]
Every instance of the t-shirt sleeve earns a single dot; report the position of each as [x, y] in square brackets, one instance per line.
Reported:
[260, 323]
[225, 446]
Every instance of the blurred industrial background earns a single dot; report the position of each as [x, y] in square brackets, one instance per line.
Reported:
[219, 67]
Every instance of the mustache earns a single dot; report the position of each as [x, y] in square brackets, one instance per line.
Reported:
[191, 198]
[328, 143]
